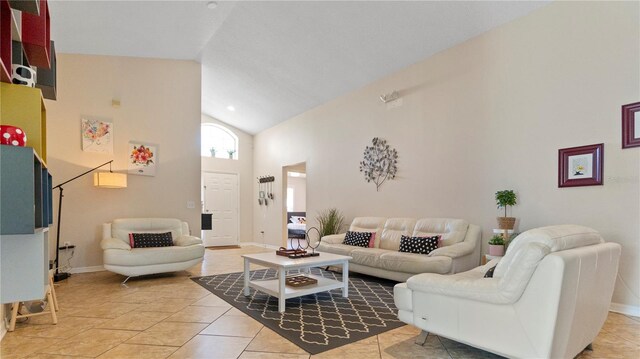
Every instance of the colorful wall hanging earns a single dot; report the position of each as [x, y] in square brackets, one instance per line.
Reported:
[97, 136]
[143, 158]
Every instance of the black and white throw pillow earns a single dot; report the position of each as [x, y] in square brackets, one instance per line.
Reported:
[419, 245]
[360, 239]
[489, 273]
[148, 240]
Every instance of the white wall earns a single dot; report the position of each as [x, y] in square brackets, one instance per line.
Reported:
[486, 115]
[299, 186]
[243, 166]
[160, 103]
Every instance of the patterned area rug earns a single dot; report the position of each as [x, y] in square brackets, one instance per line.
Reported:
[316, 322]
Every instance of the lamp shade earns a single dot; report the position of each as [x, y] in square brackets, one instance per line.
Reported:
[110, 180]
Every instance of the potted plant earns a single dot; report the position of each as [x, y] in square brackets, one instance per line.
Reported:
[496, 246]
[503, 200]
[231, 152]
[329, 221]
[213, 151]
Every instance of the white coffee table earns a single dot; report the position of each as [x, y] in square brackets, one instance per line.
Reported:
[277, 287]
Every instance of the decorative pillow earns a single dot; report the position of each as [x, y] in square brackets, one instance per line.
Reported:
[147, 240]
[298, 219]
[489, 273]
[372, 241]
[360, 239]
[419, 245]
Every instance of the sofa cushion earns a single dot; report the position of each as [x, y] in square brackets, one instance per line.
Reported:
[394, 228]
[369, 224]
[358, 239]
[419, 245]
[414, 263]
[369, 257]
[452, 230]
[336, 248]
[148, 240]
[149, 256]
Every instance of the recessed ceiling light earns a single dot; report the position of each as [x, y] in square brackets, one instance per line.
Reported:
[212, 5]
[231, 108]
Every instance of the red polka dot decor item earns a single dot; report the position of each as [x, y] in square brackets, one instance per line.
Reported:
[12, 136]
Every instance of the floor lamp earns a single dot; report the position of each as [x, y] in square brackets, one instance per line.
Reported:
[100, 179]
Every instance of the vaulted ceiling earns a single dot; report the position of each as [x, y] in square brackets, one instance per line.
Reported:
[273, 60]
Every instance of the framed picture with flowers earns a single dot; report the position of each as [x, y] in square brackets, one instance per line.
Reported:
[143, 158]
[580, 166]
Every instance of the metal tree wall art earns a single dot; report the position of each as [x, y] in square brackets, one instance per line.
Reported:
[380, 162]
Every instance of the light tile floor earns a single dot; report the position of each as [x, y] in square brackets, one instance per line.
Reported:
[169, 316]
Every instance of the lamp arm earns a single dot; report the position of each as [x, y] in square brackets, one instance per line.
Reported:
[80, 175]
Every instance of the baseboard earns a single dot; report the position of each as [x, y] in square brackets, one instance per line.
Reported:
[631, 310]
[244, 244]
[86, 269]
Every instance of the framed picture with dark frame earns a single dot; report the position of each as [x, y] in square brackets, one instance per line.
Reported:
[580, 166]
[631, 125]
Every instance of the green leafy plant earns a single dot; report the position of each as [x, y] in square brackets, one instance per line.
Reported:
[231, 152]
[496, 240]
[506, 198]
[330, 221]
[213, 151]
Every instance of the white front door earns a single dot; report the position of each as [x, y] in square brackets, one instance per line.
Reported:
[221, 200]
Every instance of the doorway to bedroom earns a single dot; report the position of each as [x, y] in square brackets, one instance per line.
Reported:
[295, 205]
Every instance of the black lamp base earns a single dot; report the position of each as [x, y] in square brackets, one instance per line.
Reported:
[60, 276]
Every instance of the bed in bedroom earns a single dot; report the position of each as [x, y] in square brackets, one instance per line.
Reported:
[296, 224]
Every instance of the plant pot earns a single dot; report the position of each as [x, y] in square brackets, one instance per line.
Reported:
[506, 222]
[496, 250]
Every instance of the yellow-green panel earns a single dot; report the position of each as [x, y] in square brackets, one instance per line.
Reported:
[22, 106]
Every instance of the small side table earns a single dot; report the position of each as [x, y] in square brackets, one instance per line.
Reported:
[487, 258]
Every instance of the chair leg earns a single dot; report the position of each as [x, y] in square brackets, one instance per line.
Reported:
[124, 283]
[422, 337]
[14, 316]
[52, 308]
[53, 294]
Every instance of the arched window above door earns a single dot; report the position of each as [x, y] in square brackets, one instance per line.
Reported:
[218, 141]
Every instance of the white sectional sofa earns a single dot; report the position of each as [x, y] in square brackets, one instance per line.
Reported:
[120, 258]
[460, 250]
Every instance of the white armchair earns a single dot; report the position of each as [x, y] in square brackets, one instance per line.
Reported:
[548, 298]
[119, 257]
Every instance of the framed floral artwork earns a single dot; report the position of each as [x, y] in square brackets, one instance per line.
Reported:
[97, 135]
[580, 166]
[143, 158]
[631, 125]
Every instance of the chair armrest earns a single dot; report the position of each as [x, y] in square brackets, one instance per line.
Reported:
[460, 285]
[114, 243]
[334, 238]
[184, 241]
[455, 250]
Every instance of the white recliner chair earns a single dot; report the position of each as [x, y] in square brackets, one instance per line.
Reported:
[119, 257]
[548, 298]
